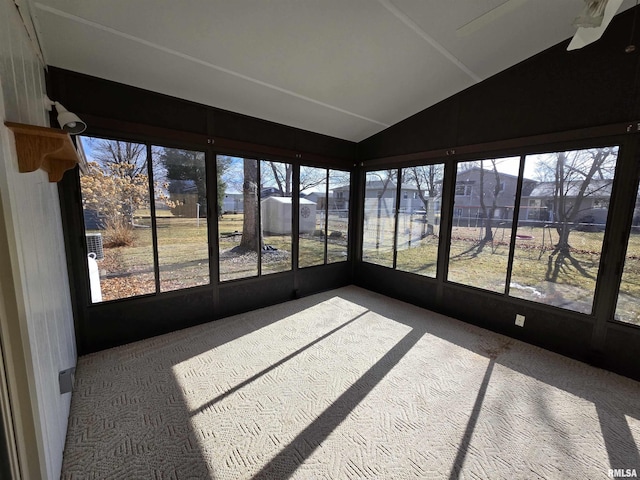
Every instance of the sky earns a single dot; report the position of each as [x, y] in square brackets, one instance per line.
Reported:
[234, 175]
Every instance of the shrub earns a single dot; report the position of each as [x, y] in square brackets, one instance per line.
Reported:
[118, 233]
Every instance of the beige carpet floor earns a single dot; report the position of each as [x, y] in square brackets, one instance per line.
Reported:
[346, 384]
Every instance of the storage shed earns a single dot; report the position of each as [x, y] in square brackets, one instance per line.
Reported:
[276, 215]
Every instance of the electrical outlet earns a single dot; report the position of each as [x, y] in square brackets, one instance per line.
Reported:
[520, 320]
[66, 379]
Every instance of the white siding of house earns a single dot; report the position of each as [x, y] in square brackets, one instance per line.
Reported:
[37, 324]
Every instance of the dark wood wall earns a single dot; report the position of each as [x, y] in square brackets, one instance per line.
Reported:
[553, 91]
[553, 100]
[119, 111]
[102, 100]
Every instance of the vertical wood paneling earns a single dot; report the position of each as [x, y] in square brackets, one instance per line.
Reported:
[36, 247]
[553, 91]
[8, 81]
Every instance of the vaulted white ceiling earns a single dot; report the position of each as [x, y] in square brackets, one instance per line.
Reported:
[345, 68]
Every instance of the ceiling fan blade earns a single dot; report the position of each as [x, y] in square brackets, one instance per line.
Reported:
[485, 19]
[585, 36]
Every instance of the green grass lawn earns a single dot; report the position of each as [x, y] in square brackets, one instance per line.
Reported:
[182, 254]
[628, 308]
[184, 262]
[574, 287]
[230, 223]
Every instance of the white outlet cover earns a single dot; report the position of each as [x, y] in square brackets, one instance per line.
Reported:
[520, 320]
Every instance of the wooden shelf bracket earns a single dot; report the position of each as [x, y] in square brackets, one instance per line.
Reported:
[50, 149]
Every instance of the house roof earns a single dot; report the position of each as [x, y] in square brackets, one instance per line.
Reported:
[489, 171]
[596, 188]
[287, 200]
[379, 185]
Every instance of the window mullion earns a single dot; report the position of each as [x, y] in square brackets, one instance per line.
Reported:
[152, 212]
[514, 223]
[396, 215]
[258, 226]
[326, 216]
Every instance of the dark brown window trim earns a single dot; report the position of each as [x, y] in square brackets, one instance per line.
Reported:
[515, 145]
[117, 128]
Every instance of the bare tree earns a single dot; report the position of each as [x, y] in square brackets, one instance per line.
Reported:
[312, 177]
[491, 188]
[428, 181]
[282, 175]
[124, 159]
[115, 186]
[251, 238]
[386, 178]
[278, 173]
[339, 177]
[488, 213]
[577, 175]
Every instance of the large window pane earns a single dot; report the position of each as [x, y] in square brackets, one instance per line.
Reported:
[482, 218]
[116, 207]
[562, 220]
[238, 222]
[328, 228]
[313, 202]
[419, 219]
[276, 214]
[379, 217]
[181, 217]
[628, 305]
[338, 216]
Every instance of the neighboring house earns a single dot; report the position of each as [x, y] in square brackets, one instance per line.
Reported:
[339, 200]
[234, 201]
[383, 194]
[539, 203]
[319, 198]
[536, 202]
[267, 192]
[468, 195]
